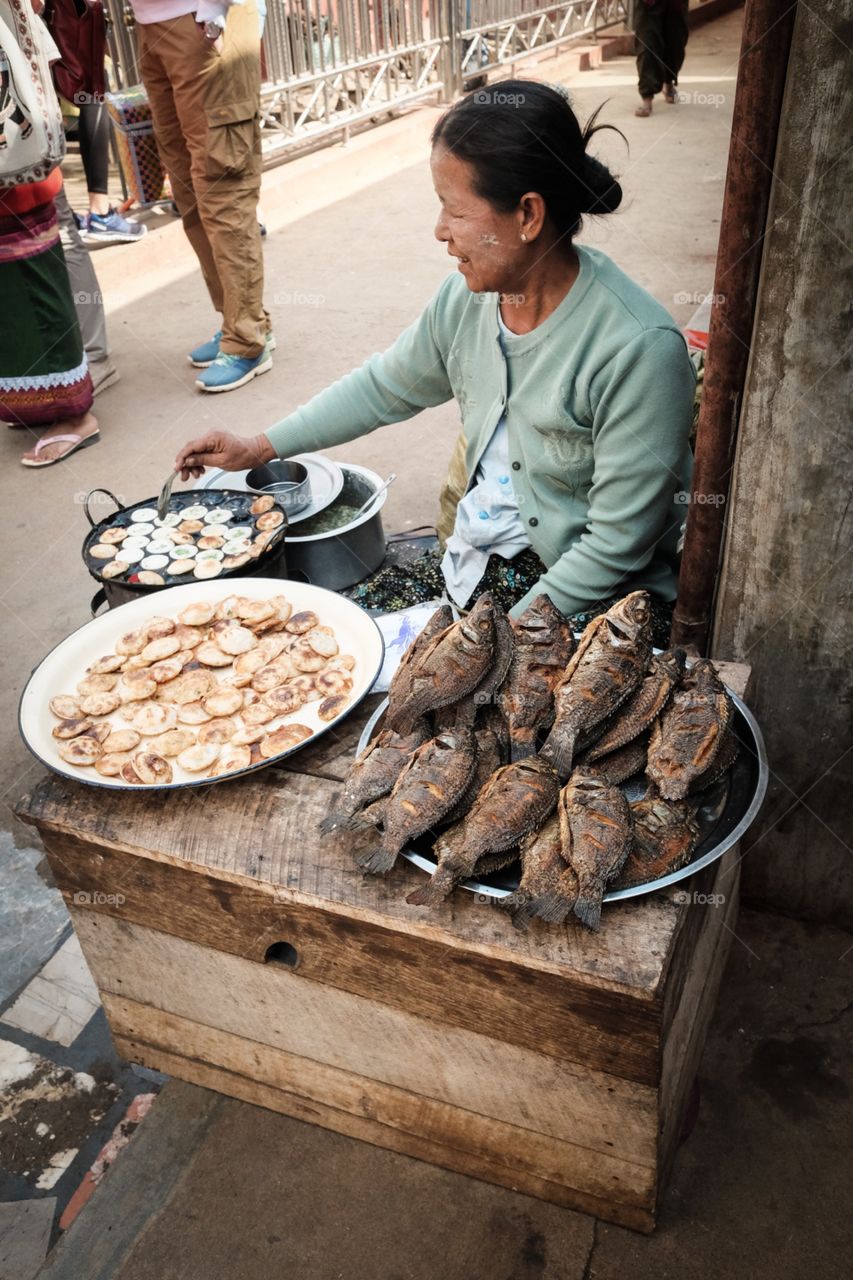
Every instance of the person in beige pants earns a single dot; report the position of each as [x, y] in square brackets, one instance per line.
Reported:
[203, 83]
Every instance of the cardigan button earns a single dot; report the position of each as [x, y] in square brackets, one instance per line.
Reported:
[516, 466]
[533, 522]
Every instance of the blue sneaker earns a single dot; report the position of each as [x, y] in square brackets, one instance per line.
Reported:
[204, 356]
[112, 228]
[229, 372]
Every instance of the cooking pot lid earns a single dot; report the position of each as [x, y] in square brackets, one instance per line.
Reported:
[325, 480]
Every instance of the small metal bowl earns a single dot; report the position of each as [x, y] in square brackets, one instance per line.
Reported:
[287, 481]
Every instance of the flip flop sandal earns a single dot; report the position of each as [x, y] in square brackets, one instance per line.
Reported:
[77, 442]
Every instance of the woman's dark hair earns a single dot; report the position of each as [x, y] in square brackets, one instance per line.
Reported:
[520, 136]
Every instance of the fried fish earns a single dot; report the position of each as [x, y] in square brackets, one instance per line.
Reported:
[645, 704]
[595, 823]
[514, 801]
[665, 833]
[448, 668]
[608, 665]
[689, 734]
[374, 773]
[431, 782]
[549, 886]
[542, 646]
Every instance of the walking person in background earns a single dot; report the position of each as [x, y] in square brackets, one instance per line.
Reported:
[660, 27]
[201, 67]
[79, 30]
[88, 299]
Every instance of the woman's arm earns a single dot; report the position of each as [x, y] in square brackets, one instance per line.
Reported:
[389, 387]
[641, 426]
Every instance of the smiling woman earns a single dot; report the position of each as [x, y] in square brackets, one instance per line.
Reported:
[574, 384]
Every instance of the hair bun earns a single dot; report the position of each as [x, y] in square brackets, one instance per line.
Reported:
[603, 193]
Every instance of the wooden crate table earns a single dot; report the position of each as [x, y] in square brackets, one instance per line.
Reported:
[237, 948]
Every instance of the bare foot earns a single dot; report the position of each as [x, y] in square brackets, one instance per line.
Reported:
[669, 93]
[645, 107]
[84, 426]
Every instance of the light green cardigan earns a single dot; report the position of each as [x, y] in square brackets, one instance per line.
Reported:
[599, 402]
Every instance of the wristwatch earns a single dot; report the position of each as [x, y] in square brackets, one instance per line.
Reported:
[212, 31]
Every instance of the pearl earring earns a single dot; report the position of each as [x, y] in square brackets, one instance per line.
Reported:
[523, 236]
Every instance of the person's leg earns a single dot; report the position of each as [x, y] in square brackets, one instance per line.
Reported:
[171, 65]
[227, 178]
[648, 30]
[88, 301]
[675, 33]
[94, 136]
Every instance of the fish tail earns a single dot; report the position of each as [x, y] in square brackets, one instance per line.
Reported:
[559, 752]
[587, 908]
[340, 821]
[552, 907]
[434, 891]
[519, 906]
[377, 862]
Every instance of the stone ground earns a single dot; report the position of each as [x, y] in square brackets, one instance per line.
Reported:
[209, 1186]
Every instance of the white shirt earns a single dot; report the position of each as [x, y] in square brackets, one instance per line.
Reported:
[487, 518]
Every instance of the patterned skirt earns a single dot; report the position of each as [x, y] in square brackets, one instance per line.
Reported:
[43, 372]
[401, 586]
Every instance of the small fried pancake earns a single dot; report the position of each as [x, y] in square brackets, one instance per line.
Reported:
[198, 758]
[129, 773]
[248, 734]
[115, 569]
[81, 751]
[151, 579]
[162, 647]
[193, 713]
[299, 624]
[307, 685]
[138, 686]
[113, 536]
[107, 665]
[132, 642]
[154, 717]
[269, 520]
[223, 701]
[99, 704]
[102, 683]
[121, 740]
[197, 614]
[331, 707]
[152, 769]
[172, 742]
[257, 713]
[322, 640]
[261, 505]
[275, 673]
[284, 699]
[210, 655]
[282, 739]
[192, 686]
[304, 658]
[333, 682]
[72, 728]
[207, 569]
[188, 637]
[102, 551]
[231, 759]
[166, 670]
[110, 764]
[65, 707]
[219, 730]
[236, 640]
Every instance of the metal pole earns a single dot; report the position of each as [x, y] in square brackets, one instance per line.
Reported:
[755, 124]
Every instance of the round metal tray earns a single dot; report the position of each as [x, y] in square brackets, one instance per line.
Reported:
[729, 811]
[325, 481]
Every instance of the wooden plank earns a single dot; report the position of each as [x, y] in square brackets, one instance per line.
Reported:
[552, 1013]
[277, 1007]
[607, 1177]
[685, 1040]
[271, 818]
[472, 1164]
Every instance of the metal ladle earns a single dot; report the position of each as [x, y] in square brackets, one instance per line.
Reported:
[376, 494]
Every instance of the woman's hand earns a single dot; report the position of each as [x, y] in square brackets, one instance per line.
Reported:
[222, 449]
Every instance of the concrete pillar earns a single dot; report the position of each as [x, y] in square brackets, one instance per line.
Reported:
[785, 602]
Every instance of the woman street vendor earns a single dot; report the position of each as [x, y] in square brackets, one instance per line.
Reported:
[574, 385]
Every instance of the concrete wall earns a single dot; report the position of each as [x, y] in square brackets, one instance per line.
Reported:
[786, 597]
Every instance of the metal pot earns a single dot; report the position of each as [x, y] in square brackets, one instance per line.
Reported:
[339, 558]
[269, 564]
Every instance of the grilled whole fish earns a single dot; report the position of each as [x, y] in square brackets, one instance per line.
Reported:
[543, 645]
[433, 779]
[619, 765]
[665, 835]
[595, 824]
[608, 665]
[514, 801]
[549, 886]
[449, 667]
[691, 730]
[373, 774]
[439, 621]
[644, 705]
[723, 761]
[492, 753]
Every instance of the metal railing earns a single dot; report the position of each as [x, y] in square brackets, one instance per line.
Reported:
[332, 65]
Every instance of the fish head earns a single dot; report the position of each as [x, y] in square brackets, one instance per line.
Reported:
[672, 663]
[539, 621]
[478, 627]
[630, 617]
